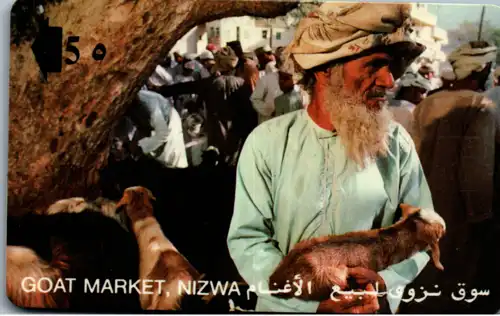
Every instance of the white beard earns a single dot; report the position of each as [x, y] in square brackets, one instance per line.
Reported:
[363, 132]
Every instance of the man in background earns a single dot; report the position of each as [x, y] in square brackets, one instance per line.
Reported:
[412, 90]
[292, 98]
[159, 122]
[455, 136]
[162, 74]
[207, 60]
[178, 58]
[266, 90]
[267, 60]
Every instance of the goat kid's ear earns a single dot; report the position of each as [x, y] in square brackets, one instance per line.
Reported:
[436, 255]
[120, 206]
[407, 209]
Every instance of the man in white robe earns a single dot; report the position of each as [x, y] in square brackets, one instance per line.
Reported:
[166, 143]
[340, 166]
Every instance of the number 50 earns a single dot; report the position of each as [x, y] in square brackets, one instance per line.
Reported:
[98, 53]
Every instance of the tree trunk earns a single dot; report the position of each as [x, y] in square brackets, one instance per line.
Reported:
[58, 133]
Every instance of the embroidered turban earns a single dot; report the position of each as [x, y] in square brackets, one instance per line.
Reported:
[465, 60]
[337, 30]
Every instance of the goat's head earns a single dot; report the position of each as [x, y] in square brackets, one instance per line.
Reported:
[430, 228]
[139, 200]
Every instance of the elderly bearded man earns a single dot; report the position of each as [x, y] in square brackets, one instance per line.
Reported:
[342, 165]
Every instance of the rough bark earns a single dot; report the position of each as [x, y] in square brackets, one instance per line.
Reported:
[58, 137]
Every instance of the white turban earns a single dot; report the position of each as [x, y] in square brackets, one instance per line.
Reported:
[465, 60]
[206, 55]
[338, 30]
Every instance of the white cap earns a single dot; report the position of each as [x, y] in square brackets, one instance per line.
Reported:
[264, 49]
[206, 55]
[189, 56]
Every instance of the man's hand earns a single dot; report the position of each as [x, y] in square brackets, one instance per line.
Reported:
[351, 304]
[363, 276]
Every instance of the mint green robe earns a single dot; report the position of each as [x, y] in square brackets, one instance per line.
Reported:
[294, 182]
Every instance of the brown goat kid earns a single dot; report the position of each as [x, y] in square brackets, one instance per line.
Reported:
[159, 259]
[325, 261]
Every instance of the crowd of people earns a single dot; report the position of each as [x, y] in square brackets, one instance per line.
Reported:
[330, 135]
[193, 104]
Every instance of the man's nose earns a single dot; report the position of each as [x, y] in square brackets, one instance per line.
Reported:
[385, 78]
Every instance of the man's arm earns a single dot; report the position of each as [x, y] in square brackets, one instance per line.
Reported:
[259, 98]
[250, 234]
[413, 190]
[190, 87]
[152, 102]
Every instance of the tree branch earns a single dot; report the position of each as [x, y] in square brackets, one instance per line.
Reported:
[58, 136]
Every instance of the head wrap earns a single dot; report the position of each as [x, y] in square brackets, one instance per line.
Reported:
[206, 55]
[250, 56]
[465, 60]
[338, 30]
[412, 79]
[189, 56]
[211, 47]
[225, 60]
[263, 50]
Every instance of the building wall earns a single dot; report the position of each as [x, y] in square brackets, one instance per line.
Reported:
[280, 37]
[225, 30]
[429, 34]
[194, 41]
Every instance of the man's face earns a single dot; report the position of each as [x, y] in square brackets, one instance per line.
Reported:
[265, 58]
[208, 63]
[285, 82]
[261, 59]
[353, 95]
[369, 76]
